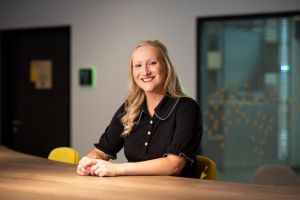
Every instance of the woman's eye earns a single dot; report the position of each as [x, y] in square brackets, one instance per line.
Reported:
[138, 65]
[152, 63]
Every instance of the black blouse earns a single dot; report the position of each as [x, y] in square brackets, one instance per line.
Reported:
[175, 128]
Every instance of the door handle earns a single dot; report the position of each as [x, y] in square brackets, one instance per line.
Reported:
[15, 125]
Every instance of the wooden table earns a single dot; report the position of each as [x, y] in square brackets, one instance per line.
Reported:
[28, 177]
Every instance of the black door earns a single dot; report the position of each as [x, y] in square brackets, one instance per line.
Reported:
[35, 89]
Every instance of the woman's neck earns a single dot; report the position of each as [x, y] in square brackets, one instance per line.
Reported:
[152, 101]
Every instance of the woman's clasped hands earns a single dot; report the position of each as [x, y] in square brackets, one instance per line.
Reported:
[97, 167]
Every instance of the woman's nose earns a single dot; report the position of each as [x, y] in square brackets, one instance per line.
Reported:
[146, 70]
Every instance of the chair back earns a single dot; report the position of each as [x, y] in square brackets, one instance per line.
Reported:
[275, 174]
[207, 168]
[64, 154]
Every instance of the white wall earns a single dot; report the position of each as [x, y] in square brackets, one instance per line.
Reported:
[105, 31]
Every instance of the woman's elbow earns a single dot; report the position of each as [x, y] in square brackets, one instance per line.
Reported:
[175, 166]
[175, 171]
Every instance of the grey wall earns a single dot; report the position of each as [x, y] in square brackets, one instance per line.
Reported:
[105, 31]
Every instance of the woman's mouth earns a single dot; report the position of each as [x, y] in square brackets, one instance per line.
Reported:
[148, 79]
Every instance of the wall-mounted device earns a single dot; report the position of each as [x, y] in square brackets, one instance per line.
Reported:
[87, 76]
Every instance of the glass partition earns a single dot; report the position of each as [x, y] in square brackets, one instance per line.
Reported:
[248, 83]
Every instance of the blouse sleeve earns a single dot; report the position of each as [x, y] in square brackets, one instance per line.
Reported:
[188, 130]
[111, 141]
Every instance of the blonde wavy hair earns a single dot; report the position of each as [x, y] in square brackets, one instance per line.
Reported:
[135, 95]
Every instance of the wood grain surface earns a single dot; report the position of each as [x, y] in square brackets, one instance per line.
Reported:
[24, 176]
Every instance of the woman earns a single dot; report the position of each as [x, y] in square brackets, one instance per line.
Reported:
[158, 125]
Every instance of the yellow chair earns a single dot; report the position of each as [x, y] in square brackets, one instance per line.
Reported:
[64, 154]
[207, 168]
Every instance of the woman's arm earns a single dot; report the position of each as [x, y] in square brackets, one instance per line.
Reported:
[96, 153]
[169, 165]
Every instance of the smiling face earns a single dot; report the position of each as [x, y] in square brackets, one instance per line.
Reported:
[148, 70]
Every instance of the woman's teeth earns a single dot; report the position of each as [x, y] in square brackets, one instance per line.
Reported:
[147, 79]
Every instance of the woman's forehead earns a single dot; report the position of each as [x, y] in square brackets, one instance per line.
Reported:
[145, 51]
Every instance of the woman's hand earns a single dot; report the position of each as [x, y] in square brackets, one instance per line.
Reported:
[97, 167]
[84, 166]
[106, 168]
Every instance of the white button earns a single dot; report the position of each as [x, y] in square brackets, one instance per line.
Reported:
[146, 143]
[149, 133]
[151, 122]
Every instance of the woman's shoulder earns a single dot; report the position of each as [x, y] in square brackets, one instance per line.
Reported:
[188, 109]
[188, 101]
[188, 104]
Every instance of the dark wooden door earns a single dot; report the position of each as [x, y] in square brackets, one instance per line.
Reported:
[35, 89]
